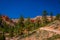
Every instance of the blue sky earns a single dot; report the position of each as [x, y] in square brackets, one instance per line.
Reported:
[32, 8]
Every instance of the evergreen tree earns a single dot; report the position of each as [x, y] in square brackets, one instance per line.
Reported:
[11, 31]
[28, 24]
[1, 21]
[2, 36]
[57, 17]
[38, 22]
[51, 15]
[21, 25]
[28, 21]
[5, 27]
[44, 17]
[21, 21]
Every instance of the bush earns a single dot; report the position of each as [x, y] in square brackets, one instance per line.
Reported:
[2, 37]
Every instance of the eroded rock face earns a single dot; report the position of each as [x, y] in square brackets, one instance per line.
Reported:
[7, 20]
[41, 35]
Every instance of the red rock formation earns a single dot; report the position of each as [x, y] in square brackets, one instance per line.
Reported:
[7, 20]
[32, 20]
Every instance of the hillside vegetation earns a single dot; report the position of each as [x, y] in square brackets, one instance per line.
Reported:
[24, 28]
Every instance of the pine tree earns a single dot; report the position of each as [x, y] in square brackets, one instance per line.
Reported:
[1, 20]
[51, 15]
[11, 31]
[27, 24]
[21, 25]
[5, 27]
[2, 36]
[57, 17]
[44, 17]
[38, 22]
[21, 21]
